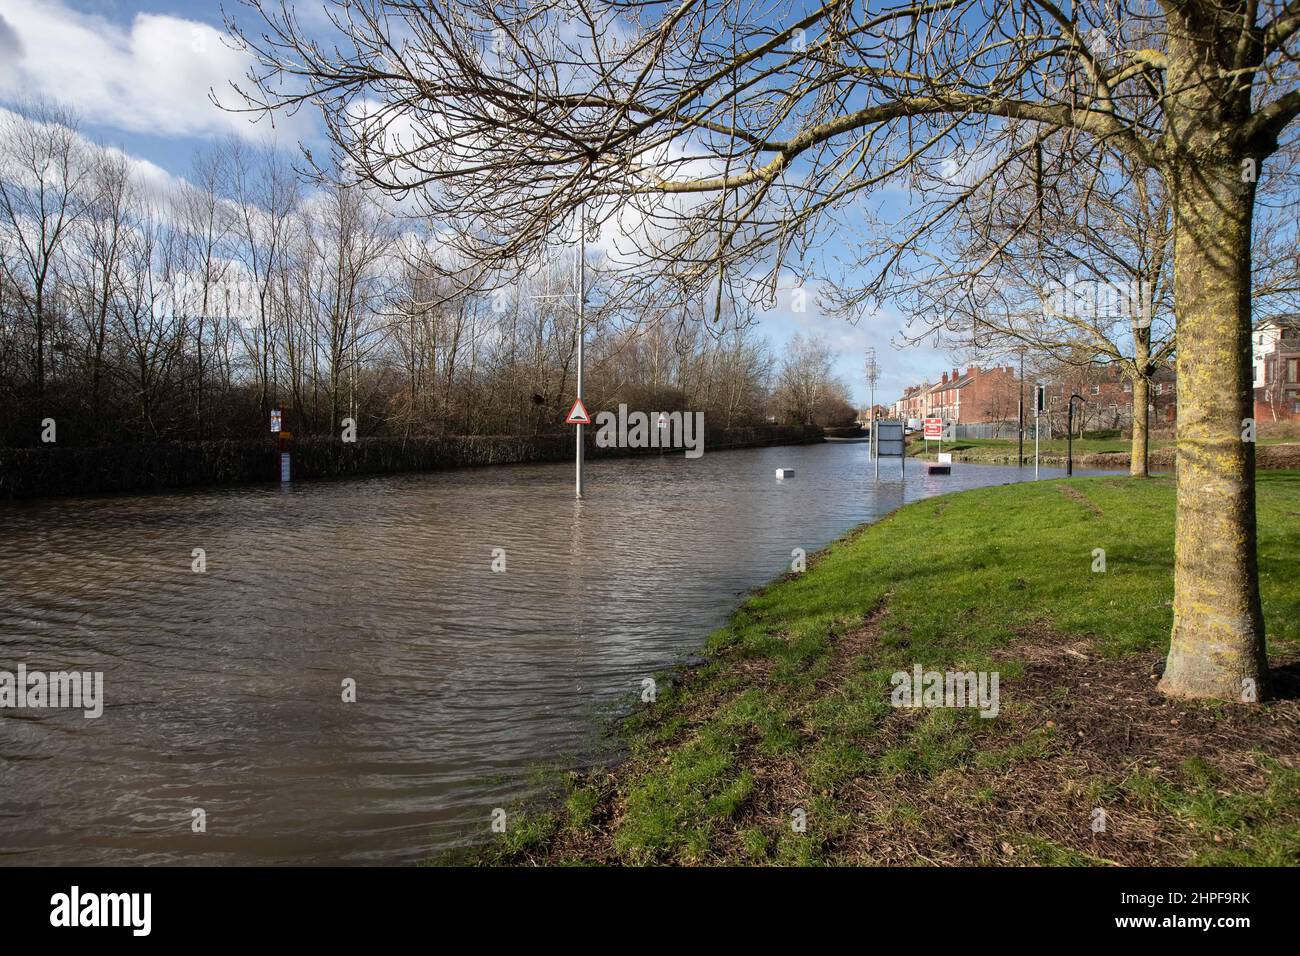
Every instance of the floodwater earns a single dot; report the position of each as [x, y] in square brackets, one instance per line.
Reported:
[223, 689]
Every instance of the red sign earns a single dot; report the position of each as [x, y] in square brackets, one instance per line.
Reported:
[578, 414]
[933, 427]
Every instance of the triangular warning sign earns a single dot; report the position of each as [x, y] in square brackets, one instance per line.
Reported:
[578, 414]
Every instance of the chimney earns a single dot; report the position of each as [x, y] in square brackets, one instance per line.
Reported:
[944, 380]
[954, 375]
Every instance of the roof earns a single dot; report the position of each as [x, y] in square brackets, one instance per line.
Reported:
[1290, 320]
[961, 382]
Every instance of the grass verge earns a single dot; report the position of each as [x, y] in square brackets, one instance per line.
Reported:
[790, 719]
[1276, 450]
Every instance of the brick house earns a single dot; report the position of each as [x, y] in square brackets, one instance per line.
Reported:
[912, 404]
[1108, 397]
[979, 395]
[943, 400]
[1275, 348]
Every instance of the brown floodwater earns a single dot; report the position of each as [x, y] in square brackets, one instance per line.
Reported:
[223, 689]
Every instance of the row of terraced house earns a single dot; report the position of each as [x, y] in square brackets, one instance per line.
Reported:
[992, 395]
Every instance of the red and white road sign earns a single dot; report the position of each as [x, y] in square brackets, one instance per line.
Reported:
[933, 427]
[578, 414]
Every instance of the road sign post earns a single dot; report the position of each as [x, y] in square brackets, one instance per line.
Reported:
[932, 428]
[283, 456]
[892, 444]
[582, 335]
[578, 414]
[581, 341]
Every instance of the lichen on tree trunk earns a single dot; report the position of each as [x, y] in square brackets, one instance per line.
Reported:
[1137, 467]
[1217, 646]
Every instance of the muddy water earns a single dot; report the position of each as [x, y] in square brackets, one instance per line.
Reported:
[223, 689]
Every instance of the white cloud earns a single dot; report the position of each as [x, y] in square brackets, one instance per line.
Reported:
[154, 181]
[151, 77]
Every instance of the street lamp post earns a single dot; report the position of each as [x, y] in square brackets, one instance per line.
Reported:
[1069, 434]
[578, 477]
[1039, 403]
[582, 335]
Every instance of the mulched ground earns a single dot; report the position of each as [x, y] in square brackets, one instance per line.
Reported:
[1105, 720]
[1096, 722]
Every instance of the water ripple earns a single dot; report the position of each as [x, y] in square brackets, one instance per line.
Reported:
[223, 688]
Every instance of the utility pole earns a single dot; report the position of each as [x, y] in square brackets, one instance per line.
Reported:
[873, 376]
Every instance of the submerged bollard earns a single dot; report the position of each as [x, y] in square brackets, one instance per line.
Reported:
[285, 457]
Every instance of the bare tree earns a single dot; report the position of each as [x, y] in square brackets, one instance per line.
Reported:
[1078, 269]
[177, 313]
[42, 170]
[103, 235]
[806, 387]
[728, 134]
[265, 193]
[206, 222]
[149, 321]
[352, 240]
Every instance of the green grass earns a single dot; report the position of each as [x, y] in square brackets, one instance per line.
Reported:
[1005, 449]
[1002, 447]
[952, 581]
[1240, 829]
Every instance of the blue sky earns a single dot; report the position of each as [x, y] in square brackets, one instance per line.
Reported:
[140, 73]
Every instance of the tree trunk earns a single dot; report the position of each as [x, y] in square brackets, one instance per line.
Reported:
[1217, 646]
[1137, 467]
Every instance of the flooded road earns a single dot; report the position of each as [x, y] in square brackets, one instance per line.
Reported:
[223, 689]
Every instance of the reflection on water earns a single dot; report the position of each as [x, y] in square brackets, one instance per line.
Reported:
[223, 689]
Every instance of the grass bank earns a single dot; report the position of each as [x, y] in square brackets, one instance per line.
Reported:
[1004, 450]
[791, 711]
[1272, 452]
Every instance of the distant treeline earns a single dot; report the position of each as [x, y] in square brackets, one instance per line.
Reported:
[54, 471]
[134, 309]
